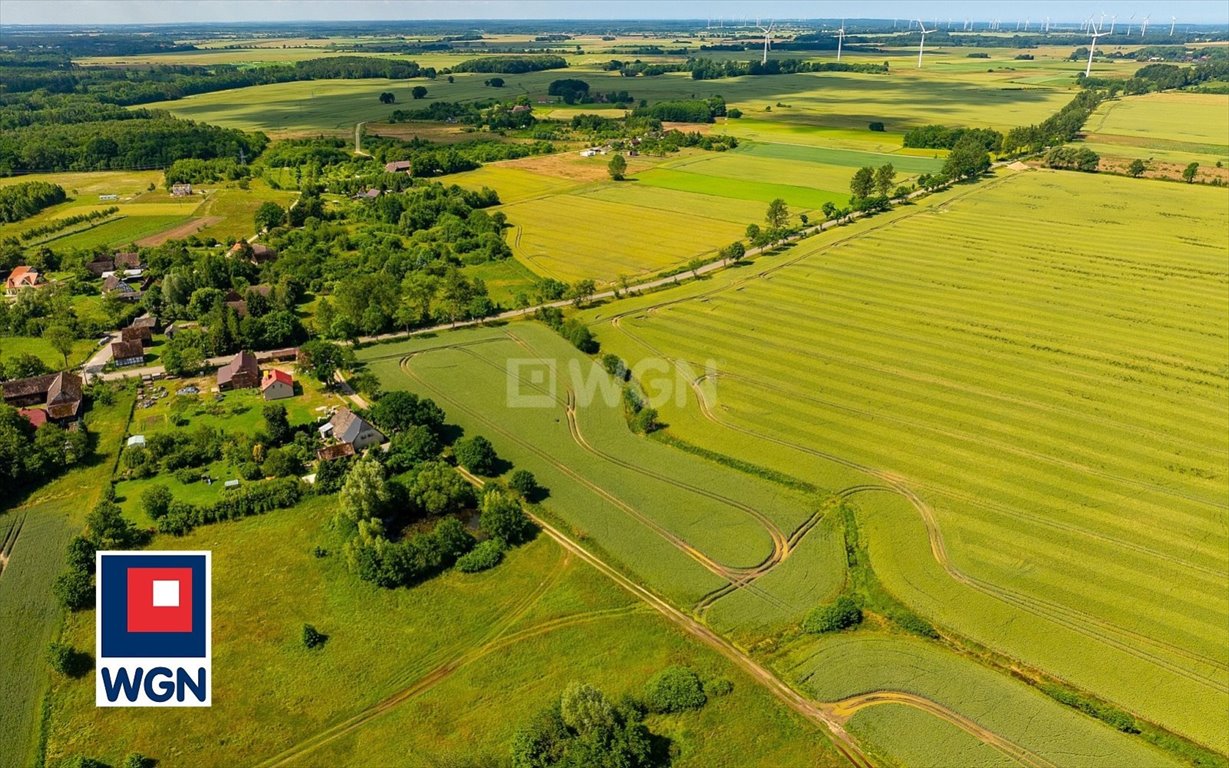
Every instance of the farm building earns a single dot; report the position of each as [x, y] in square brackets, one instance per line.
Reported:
[60, 393]
[257, 253]
[135, 440]
[145, 321]
[108, 198]
[399, 166]
[126, 353]
[128, 260]
[135, 333]
[100, 267]
[21, 278]
[284, 355]
[36, 416]
[242, 372]
[115, 287]
[181, 190]
[240, 306]
[276, 385]
[350, 428]
[181, 325]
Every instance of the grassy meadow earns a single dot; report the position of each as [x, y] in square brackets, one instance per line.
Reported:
[145, 216]
[1167, 130]
[508, 641]
[678, 521]
[935, 353]
[30, 617]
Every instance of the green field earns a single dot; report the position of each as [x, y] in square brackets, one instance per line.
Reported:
[843, 667]
[12, 346]
[670, 210]
[504, 642]
[30, 617]
[1056, 404]
[684, 525]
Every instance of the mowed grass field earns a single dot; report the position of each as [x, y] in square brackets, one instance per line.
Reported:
[38, 529]
[1046, 417]
[443, 671]
[145, 216]
[1173, 127]
[680, 523]
[570, 221]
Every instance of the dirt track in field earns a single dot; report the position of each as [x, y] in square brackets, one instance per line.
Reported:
[187, 229]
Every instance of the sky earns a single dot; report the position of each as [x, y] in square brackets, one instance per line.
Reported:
[93, 12]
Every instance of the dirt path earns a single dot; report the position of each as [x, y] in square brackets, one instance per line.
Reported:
[846, 708]
[187, 229]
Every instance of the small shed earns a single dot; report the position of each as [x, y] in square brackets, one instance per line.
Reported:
[136, 440]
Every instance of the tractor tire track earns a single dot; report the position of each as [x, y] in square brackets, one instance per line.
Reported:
[502, 624]
[727, 573]
[1077, 621]
[848, 707]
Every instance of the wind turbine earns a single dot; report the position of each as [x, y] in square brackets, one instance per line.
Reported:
[1130, 21]
[767, 39]
[922, 45]
[1092, 48]
[840, 39]
[1172, 21]
[1113, 22]
[1143, 26]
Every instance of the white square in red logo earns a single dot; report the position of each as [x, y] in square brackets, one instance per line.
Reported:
[159, 599]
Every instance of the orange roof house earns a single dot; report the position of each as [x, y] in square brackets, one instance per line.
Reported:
[21, 278]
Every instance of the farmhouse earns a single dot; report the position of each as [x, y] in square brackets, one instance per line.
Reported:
[141, 334]
[100, 267]
[242, 372]
[350, 428]
[256, 253]
[276, 385]
[115, 287]
[126, 353]
[399, 166]
[21, 278]
[60, 393]
[145, 321]
[128, 260]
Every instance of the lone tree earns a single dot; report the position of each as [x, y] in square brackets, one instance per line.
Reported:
[1190, 172]
[1136, 168]
[777, 215]
[885, 177]
[387, 98]
[418, 92]
[269, 215]
[863, 182]
[617, 167]
[61, 338]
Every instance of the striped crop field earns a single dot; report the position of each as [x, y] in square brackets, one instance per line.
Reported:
[691, 528]
[1176, 128]
[1035, 429]
[937, 688]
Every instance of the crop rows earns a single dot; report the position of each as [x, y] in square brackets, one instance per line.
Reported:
[1060, 405]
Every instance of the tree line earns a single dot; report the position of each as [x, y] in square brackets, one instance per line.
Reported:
[21, 201]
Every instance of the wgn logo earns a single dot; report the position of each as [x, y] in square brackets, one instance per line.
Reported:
[153, 629]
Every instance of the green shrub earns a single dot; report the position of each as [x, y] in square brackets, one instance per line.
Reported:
[75, 590]
[718, 686]
[68, 660]
[841, 613]
[312, 637]
[523, 482]
[476, 454]
[674, 689]
[137, 760]
[911, 622]
[487, 554]
[156, 501]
